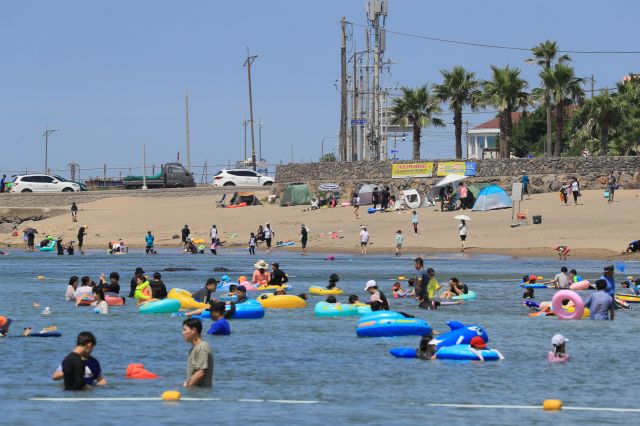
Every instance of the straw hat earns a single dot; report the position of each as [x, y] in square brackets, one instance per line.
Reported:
[261, 264]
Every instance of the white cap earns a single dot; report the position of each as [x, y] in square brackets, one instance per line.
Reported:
[370, 283]
[558, 340]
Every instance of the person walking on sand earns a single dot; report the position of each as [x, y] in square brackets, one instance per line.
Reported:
[399, 242]
[81, 233]
[74, 212]
[149, 240]
[575, 190]
[414, 222]
[462, 231]
[185, 234]
[364, 240]
[611, 186]
[3, 183]
[304, 235]
[564, 192]
[355, 202]
[375, 197]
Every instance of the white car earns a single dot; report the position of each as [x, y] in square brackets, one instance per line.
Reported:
[241, 177]
[42, 183]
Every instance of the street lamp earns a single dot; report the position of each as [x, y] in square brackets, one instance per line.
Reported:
[322, 145]
[46, 134]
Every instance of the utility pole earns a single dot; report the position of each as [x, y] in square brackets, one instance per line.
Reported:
[593, 83]
[244, 124]
[376, 15]
[46, 134]
[343, 91]
[247, 63]
[144, 168]
[366, 151]
[186, 108]
[259, 139]
[354, 120]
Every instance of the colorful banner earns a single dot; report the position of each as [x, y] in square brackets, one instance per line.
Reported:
[409, 170]
[456, 168]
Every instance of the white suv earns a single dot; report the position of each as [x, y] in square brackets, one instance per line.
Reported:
[42, 183]
[241, 177]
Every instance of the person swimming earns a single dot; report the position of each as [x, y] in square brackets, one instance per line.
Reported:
[559, 353]
[332, 300]
[427, 349]
[397, 290]
[333, 280]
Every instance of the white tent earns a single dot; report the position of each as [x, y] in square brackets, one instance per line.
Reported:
[449, 179]
[412, 198]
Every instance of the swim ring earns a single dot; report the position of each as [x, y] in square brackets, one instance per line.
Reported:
[533, 285]
[185, 299]
[45, 334]
[364, 309]
[631, 298]
[51, 246]
[84, 301]
[320, 291]
[580, 285]
[467, 353]
[471, 295]
[324, 309]
[284, 301]
[250, 309]
[227, 298]
[113, 299]
[553, 359]
[273, 287]
[560, 311]
[165, 306]
[380, 326]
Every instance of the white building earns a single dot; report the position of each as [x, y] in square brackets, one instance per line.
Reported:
[483, 140]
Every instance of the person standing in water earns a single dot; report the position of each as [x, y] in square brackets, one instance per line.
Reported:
[200, 359]
[149, 239]
[74, 212]
[462, 230]
[81, 233]
[73, 366]
[304, 236]
[252, 244]
[214, 234]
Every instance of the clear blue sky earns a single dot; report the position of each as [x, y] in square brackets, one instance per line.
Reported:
[112, 75]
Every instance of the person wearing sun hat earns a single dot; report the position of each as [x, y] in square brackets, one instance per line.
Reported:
[559, 353]
[377, 299]
[261, 276]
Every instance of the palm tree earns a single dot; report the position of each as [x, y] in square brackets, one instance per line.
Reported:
[564, 89]
[543, 55]
[505, 92]
[418, 108]
[459, 88]
[607, 112]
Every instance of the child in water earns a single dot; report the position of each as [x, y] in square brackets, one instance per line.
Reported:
[397, 290]
[354, 300]
[528, 293]
[332, 300]
[559, 353]
[427, 349]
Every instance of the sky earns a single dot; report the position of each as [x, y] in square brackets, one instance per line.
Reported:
[111, 76]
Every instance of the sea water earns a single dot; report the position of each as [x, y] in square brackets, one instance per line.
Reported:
[291, 357]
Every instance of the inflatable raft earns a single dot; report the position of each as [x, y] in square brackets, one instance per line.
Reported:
[471, 295]
[185, 299]
[391, 324]
[321, 291]
[284, 301]
[166, 306]
[324, 309]
[467, 353]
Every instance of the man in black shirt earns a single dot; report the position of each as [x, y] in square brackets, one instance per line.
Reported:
[114, 283]
[278, 277]
[185, 233]
[384, 195]
[204, 294]
[158, 289]
[73, 366]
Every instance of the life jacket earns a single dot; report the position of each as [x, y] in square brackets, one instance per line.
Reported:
[143, 291]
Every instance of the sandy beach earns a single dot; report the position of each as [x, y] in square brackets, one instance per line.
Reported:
[593, 229]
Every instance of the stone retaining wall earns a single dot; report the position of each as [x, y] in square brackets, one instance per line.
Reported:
[60, 199]
[546, 174]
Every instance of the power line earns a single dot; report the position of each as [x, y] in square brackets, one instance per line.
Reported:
[497, 46]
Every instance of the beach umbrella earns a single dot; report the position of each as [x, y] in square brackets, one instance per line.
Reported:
[462, 217]
[329, 187]
[449, 179]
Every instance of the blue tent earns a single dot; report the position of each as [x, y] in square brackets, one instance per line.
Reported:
[492, 197]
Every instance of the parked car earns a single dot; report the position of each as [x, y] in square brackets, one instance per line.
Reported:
[241, 177]
[171, 175]
[42, 183]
